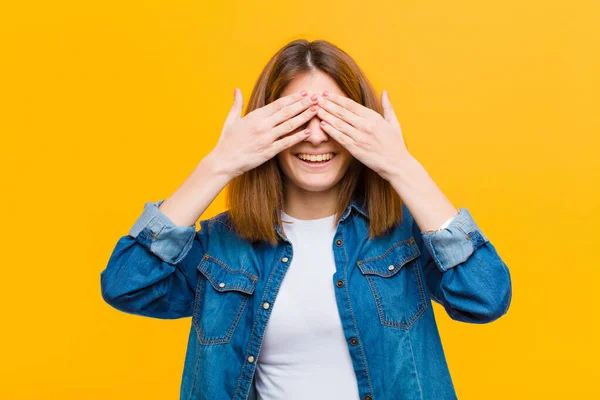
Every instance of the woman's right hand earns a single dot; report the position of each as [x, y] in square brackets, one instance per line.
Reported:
[248, 142]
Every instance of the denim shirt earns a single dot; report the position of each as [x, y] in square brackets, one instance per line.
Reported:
[383, 289]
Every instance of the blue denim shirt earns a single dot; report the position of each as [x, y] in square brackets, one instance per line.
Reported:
[383, 289]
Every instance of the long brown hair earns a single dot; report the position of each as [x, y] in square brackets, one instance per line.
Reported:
[255, 198]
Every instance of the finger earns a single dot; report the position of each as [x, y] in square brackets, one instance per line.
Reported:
[292, 124]
[349, 104]
[388, 109]
[341, 112]
[339, 137]
[291, 110]
[236, 108]
[339, 125]
[287, 142]
[281, 102]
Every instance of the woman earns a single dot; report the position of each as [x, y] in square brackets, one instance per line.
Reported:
[335, 304]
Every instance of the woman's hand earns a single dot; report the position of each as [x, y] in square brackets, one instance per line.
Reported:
[248, 142]
[374, 140]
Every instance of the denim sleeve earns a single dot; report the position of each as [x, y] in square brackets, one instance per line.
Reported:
[154, 230]
[463, 270]
[146, 275]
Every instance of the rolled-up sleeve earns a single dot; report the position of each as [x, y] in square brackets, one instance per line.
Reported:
[455, 241]
[155, 231]
[463, 270]
[148, 273]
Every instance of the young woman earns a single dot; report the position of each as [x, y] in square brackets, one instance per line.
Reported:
[317, 281]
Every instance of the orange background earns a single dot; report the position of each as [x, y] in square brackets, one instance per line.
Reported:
[107, 105]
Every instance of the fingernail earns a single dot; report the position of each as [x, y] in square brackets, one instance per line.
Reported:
[307, 131]
[326, 93]
[303, 93]
[314, 97]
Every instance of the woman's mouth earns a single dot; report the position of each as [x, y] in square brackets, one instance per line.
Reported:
[313, 161]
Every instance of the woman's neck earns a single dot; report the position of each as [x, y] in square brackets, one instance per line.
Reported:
[303, 204]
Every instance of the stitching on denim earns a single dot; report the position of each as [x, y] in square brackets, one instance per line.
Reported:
[382, 273]
[152, 234]
[424, 284]
[196, 367]
[220, 219]
[414, 364]
[434, 253]
[362, 352]
[386, 273]
[235, 271]
[210, 340]
[423, 297]
[430, 237]
[386, 253]
[360, 212]
[421, 307]
[197, 298]
[224, 224]
[248, 289]
[257, 316]
[463, 227]
[376, 297]
[229, 287]
[477, 243]
[211, 222]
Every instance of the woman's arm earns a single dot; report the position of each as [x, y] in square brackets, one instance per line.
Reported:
[462, 269]
[463, 272]
[145, 274]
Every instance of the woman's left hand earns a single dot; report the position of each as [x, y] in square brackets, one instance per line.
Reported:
[374, 140]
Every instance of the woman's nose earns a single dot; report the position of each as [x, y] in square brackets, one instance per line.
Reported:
[317, 134]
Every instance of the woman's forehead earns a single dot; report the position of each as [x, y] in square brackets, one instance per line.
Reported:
[314, 82]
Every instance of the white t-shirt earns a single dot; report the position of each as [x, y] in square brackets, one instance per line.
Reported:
[305, 353]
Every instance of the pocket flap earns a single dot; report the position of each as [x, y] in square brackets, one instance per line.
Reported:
[392, 260]
[223, 278]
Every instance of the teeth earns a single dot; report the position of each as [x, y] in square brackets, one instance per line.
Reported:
[320, 157]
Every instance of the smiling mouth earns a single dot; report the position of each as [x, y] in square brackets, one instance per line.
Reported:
[315, 162]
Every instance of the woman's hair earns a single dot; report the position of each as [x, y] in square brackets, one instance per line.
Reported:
[255, 198]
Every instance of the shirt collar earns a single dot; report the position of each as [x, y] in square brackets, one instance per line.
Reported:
[357, 203]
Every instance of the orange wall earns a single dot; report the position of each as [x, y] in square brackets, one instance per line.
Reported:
[106, 105]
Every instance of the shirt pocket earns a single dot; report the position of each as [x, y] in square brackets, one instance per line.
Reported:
[395, 280]
[222, 294]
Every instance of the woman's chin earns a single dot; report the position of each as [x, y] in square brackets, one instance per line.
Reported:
[316, 184]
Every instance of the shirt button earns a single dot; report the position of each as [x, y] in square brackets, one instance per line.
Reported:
[266, 305]
[251, 359]
[340, 283]
[221, 284]
[391, 267]
[338, 242]
[368, 397]
[285, 259]
[353, 341]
